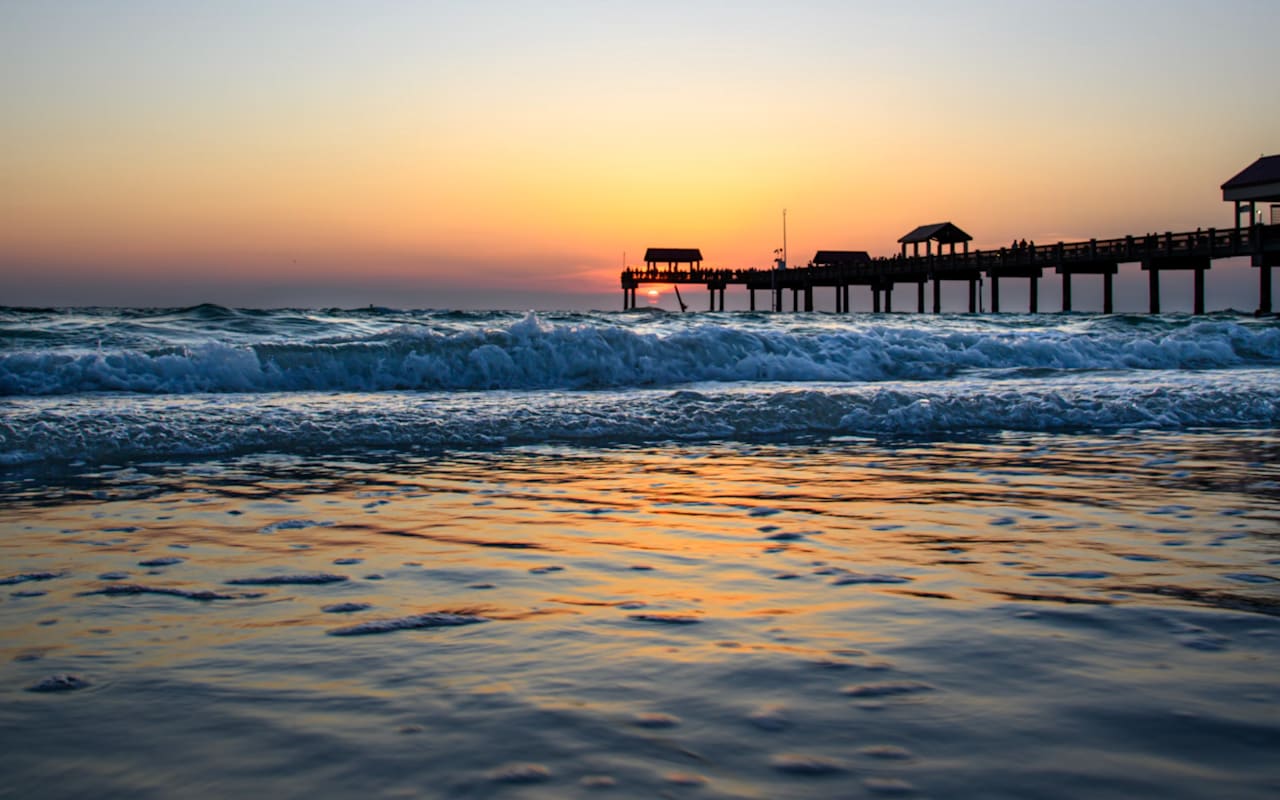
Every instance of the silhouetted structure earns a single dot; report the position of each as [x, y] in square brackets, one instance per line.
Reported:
[841, 258]
[1257, 183]
[1193, 250]
[940, 232]
[672, 256]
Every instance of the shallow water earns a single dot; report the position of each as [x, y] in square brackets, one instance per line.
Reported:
[1011, 615]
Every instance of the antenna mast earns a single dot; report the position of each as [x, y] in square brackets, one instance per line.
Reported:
[784, 236]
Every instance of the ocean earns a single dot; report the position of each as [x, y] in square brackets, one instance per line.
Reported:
[380, 553]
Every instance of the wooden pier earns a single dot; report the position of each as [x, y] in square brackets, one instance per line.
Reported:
[841, 269]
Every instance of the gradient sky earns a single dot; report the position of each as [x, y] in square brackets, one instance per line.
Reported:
[508, 154]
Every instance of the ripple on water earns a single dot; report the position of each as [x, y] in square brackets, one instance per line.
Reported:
[887, 752]
[520, 773]
[851, 578]
[655, 720]
[166, 561]
[598, 782]
[1198, 638]
[62, 682]
[293, 525]
[888, 786]
[29, 576]
[281, 580]
[1250, 577]
[886, 689]
[771, 717]
[431, 619]
[666, 619]
[805, 764]
[123, 589]
[345, 608]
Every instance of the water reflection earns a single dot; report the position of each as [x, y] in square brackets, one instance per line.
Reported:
[944, 618]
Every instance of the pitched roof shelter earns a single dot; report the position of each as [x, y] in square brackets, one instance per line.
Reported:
[940, 232]
[1258, 182]
[673, 255]
[841, 258]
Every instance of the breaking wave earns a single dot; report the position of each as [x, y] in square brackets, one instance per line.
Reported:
[597, 353]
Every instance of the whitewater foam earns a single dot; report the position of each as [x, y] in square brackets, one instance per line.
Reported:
[602, 352]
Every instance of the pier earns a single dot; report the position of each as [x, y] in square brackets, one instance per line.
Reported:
[841, 269]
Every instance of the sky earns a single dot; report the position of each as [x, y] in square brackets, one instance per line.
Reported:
[494, 154]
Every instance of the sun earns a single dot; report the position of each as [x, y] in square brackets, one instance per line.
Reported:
[653, 293]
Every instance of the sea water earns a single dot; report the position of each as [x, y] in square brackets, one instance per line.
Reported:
[302, 553]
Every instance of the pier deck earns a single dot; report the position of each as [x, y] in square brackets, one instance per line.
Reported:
[1193, 250]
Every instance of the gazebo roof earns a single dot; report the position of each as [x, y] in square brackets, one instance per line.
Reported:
[941, 232]
[672, 255]
[1258, 181]
[841, 258]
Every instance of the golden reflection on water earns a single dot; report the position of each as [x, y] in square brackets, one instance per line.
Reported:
[725, 532]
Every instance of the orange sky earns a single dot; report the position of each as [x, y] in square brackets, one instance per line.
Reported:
[227, 153]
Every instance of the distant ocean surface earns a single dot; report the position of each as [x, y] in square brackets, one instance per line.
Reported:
[366, 553]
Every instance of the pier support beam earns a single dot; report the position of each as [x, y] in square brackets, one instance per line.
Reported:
[777, 299]
[920, 297]
[1035, 295]
[995, 295]
[973, 295]
[888, 298]
[1264, 262]
[1107, 269]
[1156, 264]
[808, 297]
[937, 296]
[875, 298]
[752, 292]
